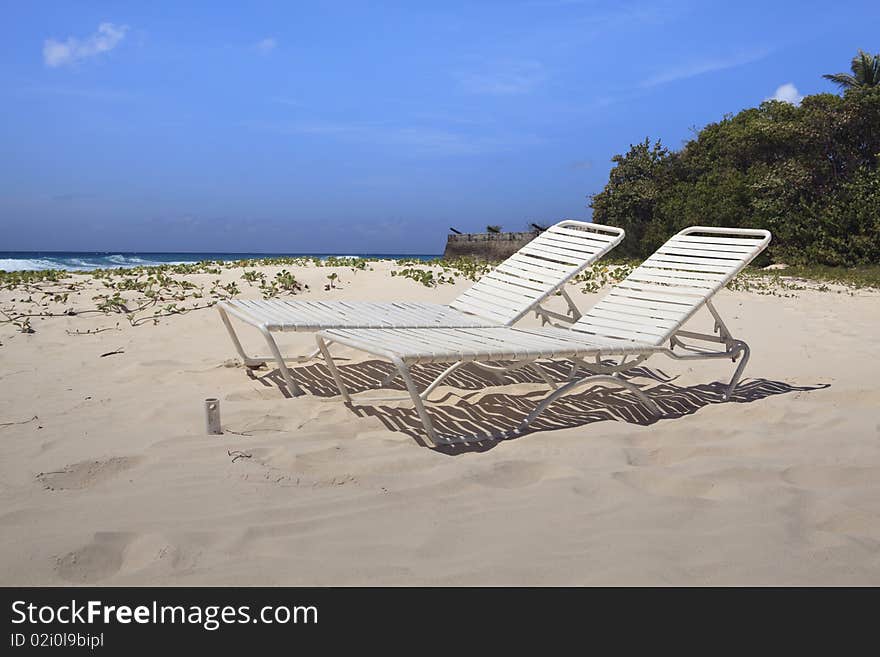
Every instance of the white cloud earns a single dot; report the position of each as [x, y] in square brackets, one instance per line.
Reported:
[60, 53]
[265, 46]
[704, 65]
[787, 93]
[507, 79]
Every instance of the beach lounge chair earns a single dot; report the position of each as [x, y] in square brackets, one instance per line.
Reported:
[502, 297]
[641, 316]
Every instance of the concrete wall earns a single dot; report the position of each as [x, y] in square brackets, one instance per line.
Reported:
[486, 246]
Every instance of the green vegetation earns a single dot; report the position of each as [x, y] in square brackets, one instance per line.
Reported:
[776, 282]
[865, 72]
[284, 282]
[603, 273]
[147, 294]
[424, 276]
[144, 294]
[865, 276]
[425, 271]
[810, 174]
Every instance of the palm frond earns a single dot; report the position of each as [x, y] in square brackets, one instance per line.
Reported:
[843, 80]
[865, 69]
[873, 77]
[860, 66]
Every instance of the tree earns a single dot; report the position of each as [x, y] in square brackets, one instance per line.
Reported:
[493, 229]
[809, 174]
[865, 72]
[630, 197]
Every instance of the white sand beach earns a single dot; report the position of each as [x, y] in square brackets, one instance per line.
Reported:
[108, 477]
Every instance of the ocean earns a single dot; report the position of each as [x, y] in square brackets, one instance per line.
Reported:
[89, 260]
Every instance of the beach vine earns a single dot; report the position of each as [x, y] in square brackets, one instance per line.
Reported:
[148, 294]
[438, 271]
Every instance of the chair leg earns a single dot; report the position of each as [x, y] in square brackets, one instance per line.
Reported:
[393, 374]
[248, 361]
[572, 306]
[499, 373]
[323, 347]
[427, 391]
[308, 357]
[436, 382]
[742, 348]
[589, 380]
[537, 369]
[292, 387]
[417, 401]
[403, 370]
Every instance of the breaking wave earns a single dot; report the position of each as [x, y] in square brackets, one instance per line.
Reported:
[84, 262]
[80, 261]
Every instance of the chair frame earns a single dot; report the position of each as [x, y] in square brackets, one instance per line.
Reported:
[385, 315]
[681, 346]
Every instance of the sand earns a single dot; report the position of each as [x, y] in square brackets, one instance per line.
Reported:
[107, 475]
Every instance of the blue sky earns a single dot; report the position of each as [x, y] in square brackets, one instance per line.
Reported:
[366, 127]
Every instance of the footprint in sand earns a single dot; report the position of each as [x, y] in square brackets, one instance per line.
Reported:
[317, 461]
[124, 553]
[852, 522]
[831, 476]
[161, 363]
[159, 554]
[514, 474]
[263, 394]
[253, 425]
[640, 456]
[666, 485]
[85, 474]
[318, 469]
[98, 560]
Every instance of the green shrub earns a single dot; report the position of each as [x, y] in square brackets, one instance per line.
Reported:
[809, 174]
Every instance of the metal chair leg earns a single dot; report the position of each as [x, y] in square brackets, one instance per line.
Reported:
[294, 389]
[590, 380]
[323, 347]
[417, 401]
[742, 348]
[248, 361]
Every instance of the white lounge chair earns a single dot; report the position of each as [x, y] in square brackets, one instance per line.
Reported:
[502, 297]
[641, 316]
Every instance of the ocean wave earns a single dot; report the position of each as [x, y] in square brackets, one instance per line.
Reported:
[82, 264]
[84, 261]
[132, 261]
[77, 263]
[24, 264]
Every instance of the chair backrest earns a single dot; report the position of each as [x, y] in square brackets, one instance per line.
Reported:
[662, 293]
[537, 270]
